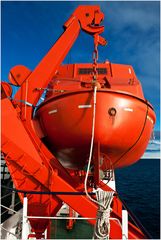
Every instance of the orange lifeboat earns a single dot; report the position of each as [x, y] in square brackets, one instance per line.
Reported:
[124, 118]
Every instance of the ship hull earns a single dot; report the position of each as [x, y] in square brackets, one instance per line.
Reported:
[123, 135]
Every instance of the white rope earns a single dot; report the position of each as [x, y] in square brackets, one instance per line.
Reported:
[102, 226]
[104, 198]
[91, 147]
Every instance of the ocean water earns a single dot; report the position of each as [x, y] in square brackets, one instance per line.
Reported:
[139, 186]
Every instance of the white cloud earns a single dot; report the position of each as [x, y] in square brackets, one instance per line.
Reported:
[142, 15]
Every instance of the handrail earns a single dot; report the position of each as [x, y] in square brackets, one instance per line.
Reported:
[133, 217]
[8, 194]
[48, 193]
[68, 218]
[26, 218]
[60, 218]
[9, 208]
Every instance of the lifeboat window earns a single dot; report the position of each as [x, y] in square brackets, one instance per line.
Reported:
[86, 71]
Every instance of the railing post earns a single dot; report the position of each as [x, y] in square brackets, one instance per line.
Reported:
[24, 219]
[45, 234]
[12, 202]
[124, 225]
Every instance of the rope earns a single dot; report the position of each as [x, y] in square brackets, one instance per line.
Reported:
[133, 145]
[102, 226]
[91, 149]
[104, 199]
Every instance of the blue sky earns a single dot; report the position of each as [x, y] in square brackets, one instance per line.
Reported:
[29, 29]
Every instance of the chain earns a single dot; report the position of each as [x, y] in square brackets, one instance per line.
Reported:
[95, 58]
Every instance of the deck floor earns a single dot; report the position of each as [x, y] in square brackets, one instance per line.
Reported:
[81, 230]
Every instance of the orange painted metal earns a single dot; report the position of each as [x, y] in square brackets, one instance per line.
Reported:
[18, 75]
[70, 222]
[67, 122]
[6, 90]
[49, 151]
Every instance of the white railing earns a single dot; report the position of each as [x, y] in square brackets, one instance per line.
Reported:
[25, 218]
[124, 225]
[10, 210]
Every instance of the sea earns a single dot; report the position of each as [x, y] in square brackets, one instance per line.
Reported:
[139, 186]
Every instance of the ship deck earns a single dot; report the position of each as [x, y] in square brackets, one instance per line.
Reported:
[81, 230]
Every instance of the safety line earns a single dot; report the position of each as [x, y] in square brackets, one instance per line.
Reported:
[48, 193]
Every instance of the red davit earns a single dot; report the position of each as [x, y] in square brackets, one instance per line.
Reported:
[98, 107]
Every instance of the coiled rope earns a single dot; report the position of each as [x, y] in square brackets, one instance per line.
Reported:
[102, 226]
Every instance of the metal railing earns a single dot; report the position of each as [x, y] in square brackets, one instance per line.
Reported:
[14, 212]
[124, 227]
[25, 217]
[9, 209]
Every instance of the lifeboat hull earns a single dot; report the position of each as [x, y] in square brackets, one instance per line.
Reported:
[66, 121]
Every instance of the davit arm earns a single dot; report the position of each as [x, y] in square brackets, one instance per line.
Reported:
[87, 18]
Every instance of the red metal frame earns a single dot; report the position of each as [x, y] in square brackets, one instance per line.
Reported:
[30, 163]
[70, 222]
